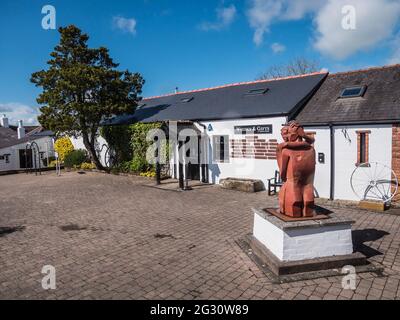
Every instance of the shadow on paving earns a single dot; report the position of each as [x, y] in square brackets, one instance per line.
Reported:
[8, 230]
[367, 235]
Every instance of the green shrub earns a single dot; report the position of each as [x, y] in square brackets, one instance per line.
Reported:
[75, 158]
[139, 164]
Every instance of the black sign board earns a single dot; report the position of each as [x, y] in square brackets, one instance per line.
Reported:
[255, 129]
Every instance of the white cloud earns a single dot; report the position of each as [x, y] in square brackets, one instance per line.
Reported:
[277, 47]
[17, 111]
[225, 17]
[297, 9]
[125, 24]
[261, 14]
[375, 22]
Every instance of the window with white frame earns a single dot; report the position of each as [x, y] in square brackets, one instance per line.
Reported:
[220, 148]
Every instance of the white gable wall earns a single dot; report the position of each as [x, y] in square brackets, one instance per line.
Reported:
[345, 150]
[380, 150]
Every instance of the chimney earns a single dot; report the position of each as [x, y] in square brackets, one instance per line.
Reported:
[4, 121]
[20, 130]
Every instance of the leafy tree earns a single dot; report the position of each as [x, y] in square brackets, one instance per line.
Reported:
[82, 87]
[297, 66]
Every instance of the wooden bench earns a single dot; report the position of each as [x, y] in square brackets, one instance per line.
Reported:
[274, 183]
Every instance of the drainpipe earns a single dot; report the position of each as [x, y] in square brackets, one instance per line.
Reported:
[204, 169]
[332, 173]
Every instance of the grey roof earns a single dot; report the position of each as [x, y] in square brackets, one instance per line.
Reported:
[380, 103]
[9, 137]
[228, 102]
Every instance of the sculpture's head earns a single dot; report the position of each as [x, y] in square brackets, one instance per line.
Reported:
[285, 133]
[294, 131]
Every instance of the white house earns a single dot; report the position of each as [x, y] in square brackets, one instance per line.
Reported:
[23, 147]
[355, 118]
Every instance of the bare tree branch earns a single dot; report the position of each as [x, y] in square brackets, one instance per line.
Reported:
[297, 66]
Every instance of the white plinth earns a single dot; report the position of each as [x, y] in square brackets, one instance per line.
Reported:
[295, 241]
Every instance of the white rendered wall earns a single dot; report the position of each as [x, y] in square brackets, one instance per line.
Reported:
[380, 150]
[322, 170]
[303, 243]
[242, 167]
[45, 145]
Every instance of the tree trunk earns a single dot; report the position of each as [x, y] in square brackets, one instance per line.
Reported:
[89, 145]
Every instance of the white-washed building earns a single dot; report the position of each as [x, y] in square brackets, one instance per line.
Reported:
[354, 117]
[24, 147]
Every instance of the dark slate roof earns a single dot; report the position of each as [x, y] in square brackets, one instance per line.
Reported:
[9, 136]
[380, 103]
[227, 102]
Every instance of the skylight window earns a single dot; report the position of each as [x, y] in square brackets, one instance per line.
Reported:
[186, 100]
[256, 92]
[353, 92]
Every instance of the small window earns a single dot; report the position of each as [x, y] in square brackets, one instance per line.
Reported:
[353, 92]
[186, 100]
[1, 157]
[256, 92]
[362, 147]
[221, 148]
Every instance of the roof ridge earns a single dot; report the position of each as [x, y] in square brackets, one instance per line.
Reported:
[367, 69]
[235, 84]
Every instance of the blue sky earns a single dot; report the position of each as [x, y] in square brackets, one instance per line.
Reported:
[194, 44]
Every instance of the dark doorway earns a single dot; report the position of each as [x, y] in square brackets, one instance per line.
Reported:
[194, 168]
[25, 159]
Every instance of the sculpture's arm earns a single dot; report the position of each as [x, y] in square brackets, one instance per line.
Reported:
[307, 138]
[297, 144]
[284, 165]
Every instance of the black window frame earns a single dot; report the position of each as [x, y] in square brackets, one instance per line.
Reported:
[187, 99]
[256, 92]
[360, 93]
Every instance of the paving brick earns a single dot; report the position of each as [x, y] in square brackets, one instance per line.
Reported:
[114, 237]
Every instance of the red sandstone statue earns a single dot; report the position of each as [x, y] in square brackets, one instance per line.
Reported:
[296, 161]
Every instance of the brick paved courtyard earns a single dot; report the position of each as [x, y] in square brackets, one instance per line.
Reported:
[113, 237]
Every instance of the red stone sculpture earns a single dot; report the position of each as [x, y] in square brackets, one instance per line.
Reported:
[296, 161]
